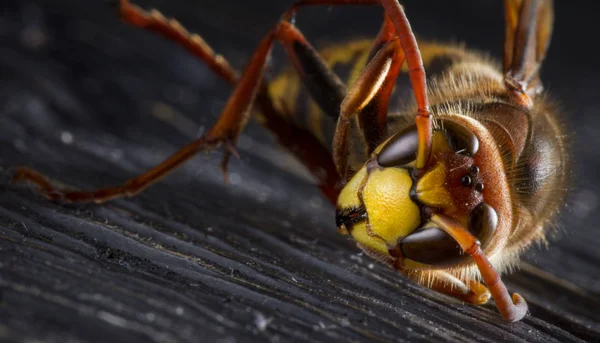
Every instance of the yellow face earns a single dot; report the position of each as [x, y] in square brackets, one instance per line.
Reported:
[384, 210]
[381, 205]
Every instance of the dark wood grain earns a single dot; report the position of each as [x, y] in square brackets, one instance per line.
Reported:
[192, 259]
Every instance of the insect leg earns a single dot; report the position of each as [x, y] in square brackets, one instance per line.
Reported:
[387, 33]
[511, 309]
[373, 117]
[326, 88]
[323, 85]
[223, 133]
[298, 140]
[527, 37]
[416, 71]
[171, 29]
[473, 292]
[329, 92]
[376, 81]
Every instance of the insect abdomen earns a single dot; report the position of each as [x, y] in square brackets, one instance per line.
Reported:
[347, 61]
[290, 95]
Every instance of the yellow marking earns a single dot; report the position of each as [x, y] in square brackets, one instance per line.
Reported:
[286, 88]
[349, 195]
[391, 212]
[431, 188]
[343, 53]
[285, 91]
[411, 265]
[361, 235]
[431, 50]
[358, 67]
[439, 143]
[314, 120]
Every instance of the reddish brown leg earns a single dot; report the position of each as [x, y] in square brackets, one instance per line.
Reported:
[528, 31]
[371, 84]
[416, 71]
[329, 92]
[298, 140]
[235, 114]
[512, 309]
[326, 88]
[373, 117]
[225, 131]
[155, 21]
[228, 126]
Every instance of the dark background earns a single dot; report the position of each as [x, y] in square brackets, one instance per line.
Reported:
[192, 259]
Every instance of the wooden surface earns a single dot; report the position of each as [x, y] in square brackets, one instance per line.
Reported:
[84, 98]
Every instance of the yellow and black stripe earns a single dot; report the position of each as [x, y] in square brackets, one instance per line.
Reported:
[347, 62]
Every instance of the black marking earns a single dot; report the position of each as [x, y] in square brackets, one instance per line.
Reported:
[347, 217]
[440, 64]
[326, 89]
[400, 149]
[373, 134]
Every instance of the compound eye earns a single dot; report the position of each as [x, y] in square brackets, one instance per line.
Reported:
[400, 149]
[483, 222]
[461, 139]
